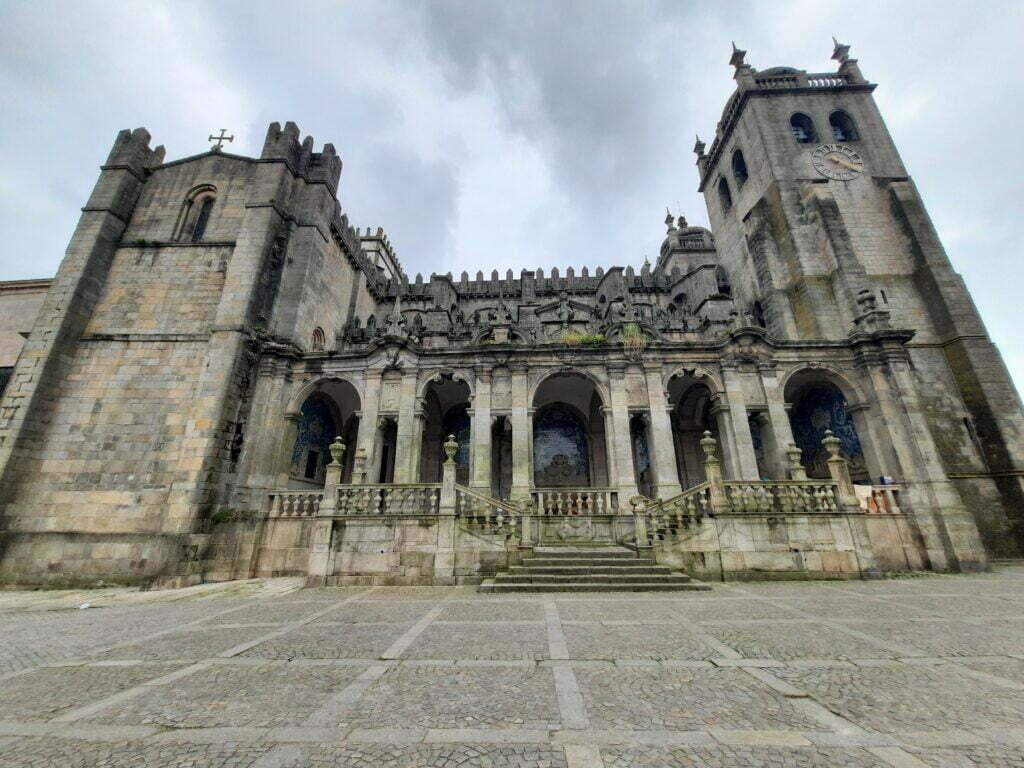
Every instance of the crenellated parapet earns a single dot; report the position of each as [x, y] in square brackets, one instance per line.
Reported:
[284, 144]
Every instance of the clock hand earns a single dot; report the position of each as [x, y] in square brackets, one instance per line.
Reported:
[845, 163]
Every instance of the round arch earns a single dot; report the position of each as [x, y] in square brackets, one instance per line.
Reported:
[699, 374]
[321, 410]
[566, 370]
[798, 377]
[822, 399]
[336, 386]
[439, 376]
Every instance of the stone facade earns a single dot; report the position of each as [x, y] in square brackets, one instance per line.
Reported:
[807, 391]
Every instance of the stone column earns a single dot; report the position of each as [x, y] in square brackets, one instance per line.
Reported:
[713, 475]
[323, 527]
[846, 500]
[720, 413]
[444, 554]
[620, 437]
[609, 447]
[361, 472]
[744, 459]
[480, 434]
[405, 447]
[285, 446]
[522, 446]
[663, 448]
[778, 421]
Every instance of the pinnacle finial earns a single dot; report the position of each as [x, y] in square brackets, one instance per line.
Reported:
[698, 147]
[736, 60]
[668, 219]
[840, 52]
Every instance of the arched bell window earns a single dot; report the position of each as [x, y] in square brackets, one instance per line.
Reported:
[843, 127]
[724, 195]
[195, 214]
[319, 339]
[802, 128]
[739, 168]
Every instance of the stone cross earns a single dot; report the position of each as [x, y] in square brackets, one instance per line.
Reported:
[220, 139]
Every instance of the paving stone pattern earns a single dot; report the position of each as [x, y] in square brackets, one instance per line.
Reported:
[916, 672]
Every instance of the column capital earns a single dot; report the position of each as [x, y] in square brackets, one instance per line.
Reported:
[616, 369]
[519, 368]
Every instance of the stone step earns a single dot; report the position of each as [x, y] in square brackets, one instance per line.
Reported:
[576, 552]
[611, 562]
[637, 586]
[557, 569]
[589, 578]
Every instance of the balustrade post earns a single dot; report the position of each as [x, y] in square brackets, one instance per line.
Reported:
[643, 541]
[444, 553]
[526, 523]
[797, 471]
[713, 473]
[846, 497]
[323, 525]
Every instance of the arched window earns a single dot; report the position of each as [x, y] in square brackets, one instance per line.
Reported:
[843, 128]
[319, 340]
[724, 195]
[195, 214]
[802, 128]
[739, 168]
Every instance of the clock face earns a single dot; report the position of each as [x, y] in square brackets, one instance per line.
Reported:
[837, 161]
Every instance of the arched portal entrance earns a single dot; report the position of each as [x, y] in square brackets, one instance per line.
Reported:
[818, 404]
[445, 412]
[691, 400]
[330, 410]
[569, 441]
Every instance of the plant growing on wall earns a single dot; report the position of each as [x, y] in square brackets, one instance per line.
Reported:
[634, 341]
[576, 339]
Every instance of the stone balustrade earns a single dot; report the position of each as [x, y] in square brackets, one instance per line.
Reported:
[485, 514]
[884, 500]
[388, 499]
[575, 501]
[781, 497]
[294, 503]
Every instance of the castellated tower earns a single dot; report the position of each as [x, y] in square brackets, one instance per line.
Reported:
[124, 422]
[820, 226]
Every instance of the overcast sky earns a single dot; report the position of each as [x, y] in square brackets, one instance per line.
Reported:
[497, 135]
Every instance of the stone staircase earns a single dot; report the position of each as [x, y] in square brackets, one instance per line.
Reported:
[599, 569]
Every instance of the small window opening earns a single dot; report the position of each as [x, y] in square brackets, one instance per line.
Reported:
[312, 464]
[885, 299]
[202, 219]
[802, 128]
[739, 168]
[758, 312]
[843, 128]
[724, 195]
[319, 340]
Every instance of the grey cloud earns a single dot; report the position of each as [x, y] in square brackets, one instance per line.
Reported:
[493, 134]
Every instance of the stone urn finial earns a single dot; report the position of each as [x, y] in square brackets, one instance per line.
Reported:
[451, 447]
[709, 445]
[831, 443]
[337, 449]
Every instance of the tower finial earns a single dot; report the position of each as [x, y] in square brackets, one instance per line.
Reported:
[668, 218]
[840, 52]
[698, 147]
[736, 60]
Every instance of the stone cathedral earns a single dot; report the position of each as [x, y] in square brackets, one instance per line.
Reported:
[227, 379]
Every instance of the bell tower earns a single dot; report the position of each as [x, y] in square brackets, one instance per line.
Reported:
[816, 218]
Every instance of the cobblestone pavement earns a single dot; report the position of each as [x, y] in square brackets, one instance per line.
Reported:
[908, 673]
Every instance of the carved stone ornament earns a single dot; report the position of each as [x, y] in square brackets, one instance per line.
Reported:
[337, 449]
[451, 447]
